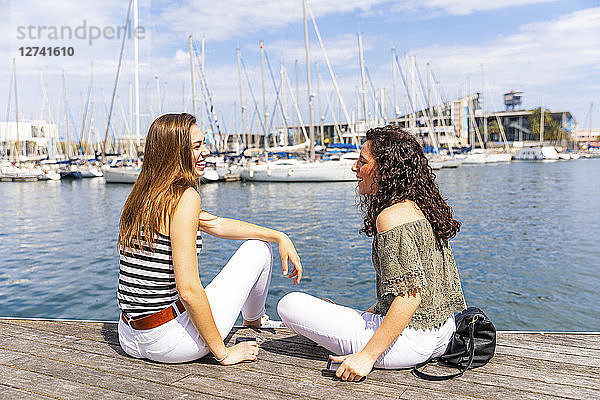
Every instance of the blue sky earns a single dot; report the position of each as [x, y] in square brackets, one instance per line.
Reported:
[542, 47]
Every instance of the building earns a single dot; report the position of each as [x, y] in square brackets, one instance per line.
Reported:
[33, 140]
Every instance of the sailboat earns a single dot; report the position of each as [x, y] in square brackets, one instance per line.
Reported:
[311, 170]
[114, 174]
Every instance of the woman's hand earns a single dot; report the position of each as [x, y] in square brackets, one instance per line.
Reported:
[243, 351]
[287, 251]
[354, 366]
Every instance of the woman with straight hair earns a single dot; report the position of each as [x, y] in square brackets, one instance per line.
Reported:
[417, 284]
[166, 313]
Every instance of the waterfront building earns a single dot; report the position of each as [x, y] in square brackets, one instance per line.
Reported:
[459, 123]
[34, 140]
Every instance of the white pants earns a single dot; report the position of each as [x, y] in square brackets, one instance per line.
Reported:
[242, 285]
[343, 330]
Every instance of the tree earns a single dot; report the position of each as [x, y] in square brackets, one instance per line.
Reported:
[493, 128]
[552, 128]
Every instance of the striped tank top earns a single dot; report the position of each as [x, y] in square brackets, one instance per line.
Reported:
[146, 278]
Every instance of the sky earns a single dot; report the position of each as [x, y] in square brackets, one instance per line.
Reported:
[548, 49]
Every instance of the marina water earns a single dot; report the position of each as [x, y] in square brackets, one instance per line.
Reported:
[527, 252]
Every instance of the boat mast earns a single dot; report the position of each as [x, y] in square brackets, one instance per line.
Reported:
[396, 113]
[485, 116]
[541, 119]
[242, 107]
[202, 77]
[264, 97]
[16, 112]
[192, 75]
[335, 83]
[297, 82]
[284, 104]
[310, 116]
[67, 150]
[321, 116]
[158, 96]
[363, 80]
[136, 72]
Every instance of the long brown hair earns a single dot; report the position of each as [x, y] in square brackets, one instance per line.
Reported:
[167, 171]
[404, 174]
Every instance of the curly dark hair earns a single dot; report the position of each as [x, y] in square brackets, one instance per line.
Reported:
[404, 174]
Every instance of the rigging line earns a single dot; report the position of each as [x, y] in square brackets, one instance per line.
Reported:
[210, 109]
[294, 100]
[72, 121]
[410, 100]
[112, 100]
[277, 92]
[428, 118]
[4, 148]
[377, 105]
[208, 102]
[112, 131]
[253, 97]
[9, 98]
[336, 127]
[207, 98]
[85, 112]
[332, 74]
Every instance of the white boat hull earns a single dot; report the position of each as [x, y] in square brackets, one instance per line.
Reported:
[295, 171]
[545, 153]
[121, 175]
[498, 157]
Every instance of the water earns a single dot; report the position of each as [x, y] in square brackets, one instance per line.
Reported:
[527, 251]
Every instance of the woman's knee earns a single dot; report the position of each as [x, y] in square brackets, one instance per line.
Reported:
[259, 249]
[290, 304]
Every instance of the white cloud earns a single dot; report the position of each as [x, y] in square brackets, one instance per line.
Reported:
[465, 7]
[558, 54]
[237, 18]
[563, 53]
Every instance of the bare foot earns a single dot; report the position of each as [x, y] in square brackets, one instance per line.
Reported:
[251, 324]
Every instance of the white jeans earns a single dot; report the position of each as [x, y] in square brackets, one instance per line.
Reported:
[242, 285]
[343, 330]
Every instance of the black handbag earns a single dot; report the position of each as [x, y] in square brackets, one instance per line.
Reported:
[472, 345]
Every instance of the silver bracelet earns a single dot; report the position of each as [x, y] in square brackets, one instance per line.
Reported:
[224, 357]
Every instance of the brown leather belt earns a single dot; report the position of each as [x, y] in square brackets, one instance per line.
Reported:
[156, 319]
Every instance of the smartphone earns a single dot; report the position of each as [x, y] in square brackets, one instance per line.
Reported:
[332, 367]
[245, 339]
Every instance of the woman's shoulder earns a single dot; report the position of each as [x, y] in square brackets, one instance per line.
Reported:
[398, 214]
[189, 202]
[190, 196]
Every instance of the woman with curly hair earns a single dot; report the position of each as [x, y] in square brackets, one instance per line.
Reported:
[167, 315]
[417, 283]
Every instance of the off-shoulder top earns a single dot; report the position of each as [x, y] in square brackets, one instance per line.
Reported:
[409, 257]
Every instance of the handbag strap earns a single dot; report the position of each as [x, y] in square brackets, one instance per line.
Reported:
[471, 350]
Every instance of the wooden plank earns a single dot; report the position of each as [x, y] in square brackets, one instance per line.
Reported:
[550, 347]
[7, 392]
[106, 380]
[569, 370]
[533, 383]
[82, 330]
[499, 387]
[548, 356]
[428, 394]
[294, 381]
[586, 341]
[522, 368]
[554, 375]
[126, 366]
[54, 387]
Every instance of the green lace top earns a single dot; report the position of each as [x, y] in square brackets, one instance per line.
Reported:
[410, 256]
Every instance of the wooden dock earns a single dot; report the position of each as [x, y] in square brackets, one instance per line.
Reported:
[80, 360]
